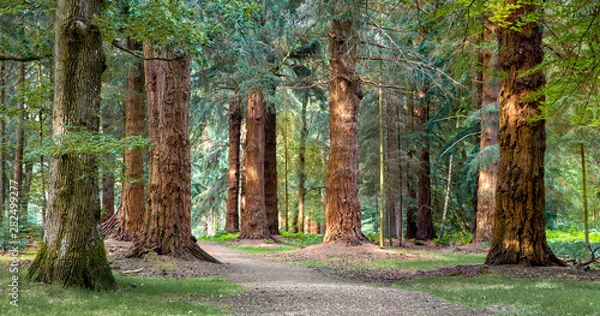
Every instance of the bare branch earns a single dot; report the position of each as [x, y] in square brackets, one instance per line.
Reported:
[23, 58]
[120, 46]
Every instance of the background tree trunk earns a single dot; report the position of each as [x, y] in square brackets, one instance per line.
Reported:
[2, 136]
[342, 213]
[18, 165]
[488, 169]
[131, 216]
[232, 218]
[271, 170]
[254, 216]
[108, 191]
[72, 253]
[168, 228]
[302, 164]
[425, 219]
[519, 234]
[393, 169]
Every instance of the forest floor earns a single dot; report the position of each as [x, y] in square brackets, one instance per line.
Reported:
[334, 284]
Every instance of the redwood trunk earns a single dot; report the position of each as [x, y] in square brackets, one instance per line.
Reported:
[393, 170]
[342, 212]
[108, 192]
[167, 228]
[271, 170]
[411, 209]
[488, 169]
[232, 218]
[254, 216]
[519, 230]
[72, 253]
[302, 164]
[425, 219]
[131, 217]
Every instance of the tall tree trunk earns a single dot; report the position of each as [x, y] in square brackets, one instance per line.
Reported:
[72, 253]
[393, 169]
[254, 217]
[286, 168]
[342, 213]
[232, 218]
[425, 219]
[18, 165]
[271, 170]
[41, 141]
[26, 186]
[243, 155]
[302, 164]
[131, 216]
[519, 234]
[411, 209]
[2, 136]
[167, 229]
[488, 169]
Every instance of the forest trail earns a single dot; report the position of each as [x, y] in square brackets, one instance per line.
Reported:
[274, 288]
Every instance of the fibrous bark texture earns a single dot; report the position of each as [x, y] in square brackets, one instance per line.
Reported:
[167, 229]
[488, 169]
[73, 253]
[254, 216]
[519, 230]
[425, 219]
[343, 206]
[131, 216]
[232, 218]
[271, 170]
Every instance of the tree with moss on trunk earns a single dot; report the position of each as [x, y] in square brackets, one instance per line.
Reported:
[519, 235]
[72, 253]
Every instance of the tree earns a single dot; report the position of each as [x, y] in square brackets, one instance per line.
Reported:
[270, 169]
[342, 212]
[72, 253]
[519, 223]
[167, 227]
[302, 163]
[488, 167]
[232, 220]
[131, 216]
[254, 215]
[424, 217]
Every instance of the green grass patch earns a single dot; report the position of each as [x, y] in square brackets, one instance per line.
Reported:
[221, 237]
[262, 249]
[521, 296]
[301, 239]
[430, 261]
[135, 296]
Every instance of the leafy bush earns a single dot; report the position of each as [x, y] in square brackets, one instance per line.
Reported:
[221, 237]
[571, 244]
[454, 238]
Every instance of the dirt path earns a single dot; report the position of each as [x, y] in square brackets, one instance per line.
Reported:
[275, 288]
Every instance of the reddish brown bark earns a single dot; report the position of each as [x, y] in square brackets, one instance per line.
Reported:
[232, 218]
[167, 229]
[254, 216]
[425, 219]
[131, 217]
[392, 166]
[519, 230]
[411, 207]
[271, 170]
[302, 164]
[488, 169]
[342, 212]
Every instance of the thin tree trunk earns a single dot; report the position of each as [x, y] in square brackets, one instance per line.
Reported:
[131, 216]
[243, 155]
[302, 164]
[271, 170]
[447, 195]
[41, 138]
[18, 165]
[232, 220]
[382, 182]
[167, 229]
[393, 169]
[108, 191]
[519, 234]
[586, 226]
[488, 169]
[254, 217]
[2, 136]
[425, 219]
[72, 253]
[286, 163]
[343, 205]
[411, 209]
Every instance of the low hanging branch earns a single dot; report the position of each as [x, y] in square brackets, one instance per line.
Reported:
[23, 58]
[120, 46]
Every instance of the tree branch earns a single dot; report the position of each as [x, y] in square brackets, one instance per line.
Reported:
[120, 46]
[23, 58]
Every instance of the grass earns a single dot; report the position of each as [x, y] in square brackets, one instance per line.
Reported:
[135, 296]
[429, 261]
[521, 296]
[259, 249]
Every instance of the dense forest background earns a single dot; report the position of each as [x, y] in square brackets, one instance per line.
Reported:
[422, 68]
